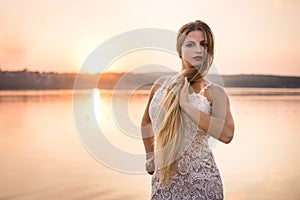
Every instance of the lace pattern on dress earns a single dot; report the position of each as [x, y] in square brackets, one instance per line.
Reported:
[197, 176]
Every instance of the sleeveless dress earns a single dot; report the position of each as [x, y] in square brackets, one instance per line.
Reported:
[197, 175]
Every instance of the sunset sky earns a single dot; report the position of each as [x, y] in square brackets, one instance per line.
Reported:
[252, 37]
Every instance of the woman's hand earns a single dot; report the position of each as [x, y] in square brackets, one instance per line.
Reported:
[184, 93]
[150, 166]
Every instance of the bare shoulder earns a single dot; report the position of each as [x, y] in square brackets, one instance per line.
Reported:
[159, 82]
[217, 88]
[215, 91]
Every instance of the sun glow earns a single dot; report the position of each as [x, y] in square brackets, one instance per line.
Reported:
[96, 102]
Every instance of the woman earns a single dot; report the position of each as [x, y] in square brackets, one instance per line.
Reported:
[183, 111]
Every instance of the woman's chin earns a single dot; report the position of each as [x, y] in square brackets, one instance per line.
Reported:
[197, 66]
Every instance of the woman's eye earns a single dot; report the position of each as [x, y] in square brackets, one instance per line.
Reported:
[204, 44]
[189, 45]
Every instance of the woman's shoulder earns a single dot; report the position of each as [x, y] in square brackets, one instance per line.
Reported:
[216, 90]
[159, 82]
[162, 80]
[215, 86]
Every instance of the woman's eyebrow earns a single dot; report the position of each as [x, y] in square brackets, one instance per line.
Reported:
[192, 41]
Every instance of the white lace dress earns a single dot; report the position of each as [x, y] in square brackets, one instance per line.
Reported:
[197, 176]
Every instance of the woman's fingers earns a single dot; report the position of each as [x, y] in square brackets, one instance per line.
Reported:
[184, 87]
[186, 83]
[183, 98]
[150, 165]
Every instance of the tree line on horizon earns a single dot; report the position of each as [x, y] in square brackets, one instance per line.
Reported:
[14, 80]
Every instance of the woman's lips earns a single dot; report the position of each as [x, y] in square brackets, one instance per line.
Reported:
[197, 58]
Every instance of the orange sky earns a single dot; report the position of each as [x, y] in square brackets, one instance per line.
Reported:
[257, 37]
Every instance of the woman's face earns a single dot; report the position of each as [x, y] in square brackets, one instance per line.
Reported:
[193, 49]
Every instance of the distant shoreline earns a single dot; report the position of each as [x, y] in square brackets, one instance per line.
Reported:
[76, 73]
[27, 80]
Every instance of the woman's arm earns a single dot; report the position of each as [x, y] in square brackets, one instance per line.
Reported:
[219, 124]
[146, 124]
[146, 128]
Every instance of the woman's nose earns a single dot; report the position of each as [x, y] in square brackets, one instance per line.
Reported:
[199, 48]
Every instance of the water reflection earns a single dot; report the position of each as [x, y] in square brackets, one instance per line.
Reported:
[42, 156]
[97, 103]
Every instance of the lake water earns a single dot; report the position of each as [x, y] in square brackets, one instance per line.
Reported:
[43, 156]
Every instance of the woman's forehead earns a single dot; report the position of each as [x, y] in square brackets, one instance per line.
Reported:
[196, 36]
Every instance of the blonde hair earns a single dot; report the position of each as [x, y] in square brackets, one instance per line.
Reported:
[169, 136]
